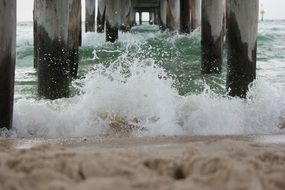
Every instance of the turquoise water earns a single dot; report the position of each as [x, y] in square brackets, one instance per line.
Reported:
[155, 78]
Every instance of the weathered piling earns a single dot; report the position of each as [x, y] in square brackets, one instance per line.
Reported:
[156, 16]
[101, 16]
[195, 14]
[225, 18]
[35, 18]
[132, 15]
[212, 35]
[53, 50]
[140, 18]
[74, 30]
[80, 34]
[173, 15]
[127, 15]
[185, 16]
[90, 16]
[113, 19]
[163, 13]
[151, 18]
[242, 43]
[7, 61]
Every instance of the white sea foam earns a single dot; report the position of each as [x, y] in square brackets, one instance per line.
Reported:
[140, 91]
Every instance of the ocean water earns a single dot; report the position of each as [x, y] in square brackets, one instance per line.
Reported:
[150, 82]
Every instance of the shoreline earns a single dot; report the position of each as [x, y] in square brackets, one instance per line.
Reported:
[216, 162]
[122, 141]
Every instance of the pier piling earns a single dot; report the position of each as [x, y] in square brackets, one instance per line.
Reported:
[185, 16]
[101, 16]
[90, 16]
[35, 37]
[127, 15]
[173, 15]
[242, 45]
[140, 18]
[132, 15]
[113, 20]
[195, 14]
[53, 49]
[151, 18]
[74, 30]
[163, 13]
[156, 17]
[80, 34]
[7, 61]
[212, 35]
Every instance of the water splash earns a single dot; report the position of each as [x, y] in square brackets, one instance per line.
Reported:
[149, 84]
[138, 98]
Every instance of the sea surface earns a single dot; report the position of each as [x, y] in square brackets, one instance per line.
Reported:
[150, 82]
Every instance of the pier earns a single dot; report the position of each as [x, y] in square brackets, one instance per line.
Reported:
[57, 39]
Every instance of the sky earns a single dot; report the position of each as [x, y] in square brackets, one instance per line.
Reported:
[274, 9]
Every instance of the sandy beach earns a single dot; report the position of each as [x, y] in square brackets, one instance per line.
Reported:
[218, 162]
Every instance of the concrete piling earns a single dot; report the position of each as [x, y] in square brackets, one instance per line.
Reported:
[7, 61]
[74, 30]
[53, 49]
[185, 16]
[242, 45]
[101, 16]
[212, 35]
[90, 16]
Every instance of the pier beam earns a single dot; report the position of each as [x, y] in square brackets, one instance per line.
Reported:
[101, 16]
[212, 35]
[7, 61]
[90, 16]
[74, 30]
[185, 16]
[242, 43]
[53, 49]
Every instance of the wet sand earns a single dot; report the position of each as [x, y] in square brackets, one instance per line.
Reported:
[219, 162]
